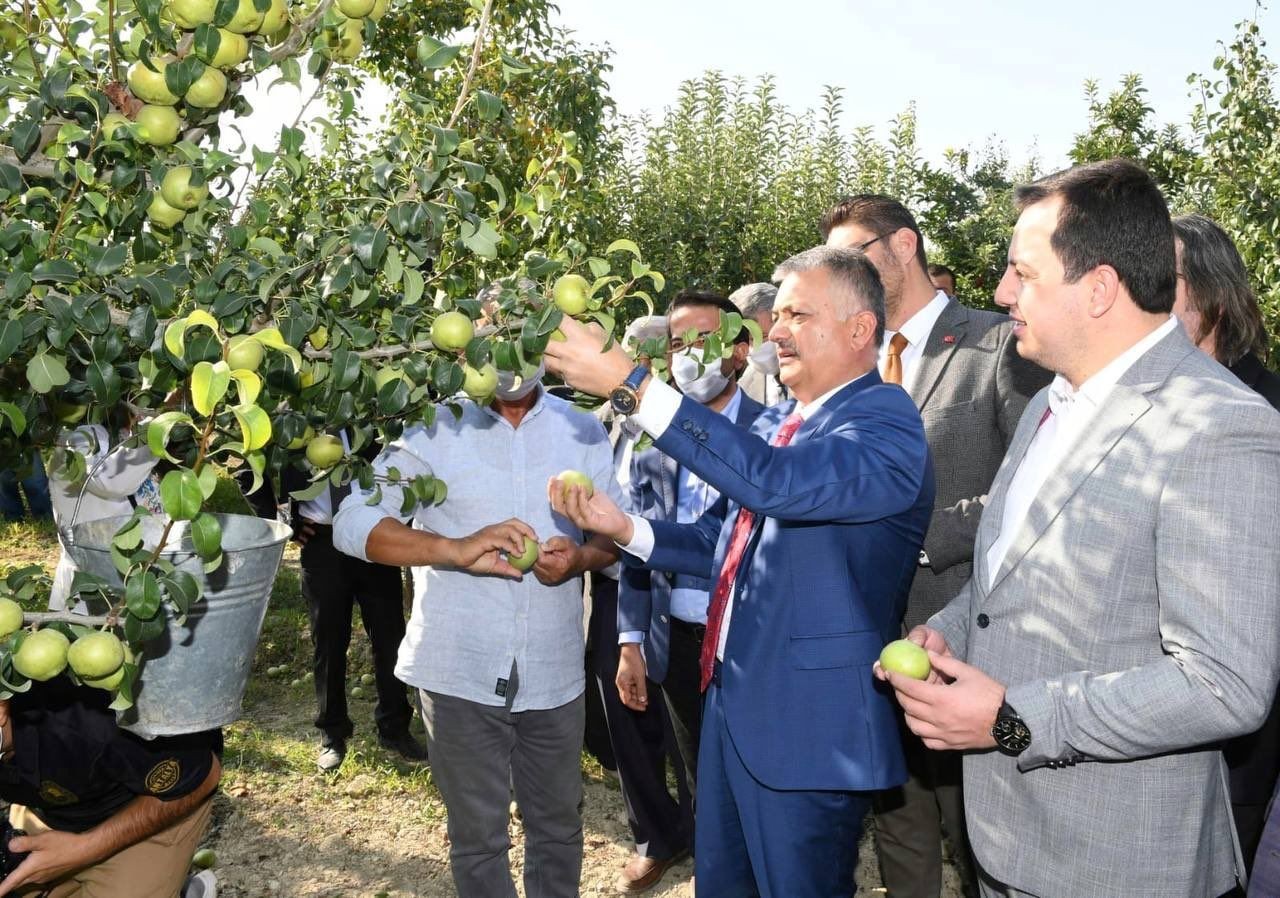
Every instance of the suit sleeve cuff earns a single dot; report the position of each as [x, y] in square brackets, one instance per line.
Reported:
[1034, 703]
[641, 545]
[626, 637]
[658, 407]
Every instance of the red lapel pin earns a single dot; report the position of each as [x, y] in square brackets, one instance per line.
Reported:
[948, 338]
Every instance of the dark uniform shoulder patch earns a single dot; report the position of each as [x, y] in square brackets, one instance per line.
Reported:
[163, 776]
[52, 793]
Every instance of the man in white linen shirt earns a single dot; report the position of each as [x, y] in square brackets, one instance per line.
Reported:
[497, 657]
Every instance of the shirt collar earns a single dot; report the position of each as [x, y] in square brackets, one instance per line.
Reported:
[807, 410]
[918, 327]
[534, 411]
[1095, 390]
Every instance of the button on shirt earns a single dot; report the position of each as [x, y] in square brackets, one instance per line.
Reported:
[465, 630]
[657, 410]
[916, 329]
[1071, 410]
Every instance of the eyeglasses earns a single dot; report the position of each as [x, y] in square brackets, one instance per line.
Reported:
[678, 344]
[862, 247]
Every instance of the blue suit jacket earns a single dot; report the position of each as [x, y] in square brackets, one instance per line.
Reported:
[841, 515]
[644, 597]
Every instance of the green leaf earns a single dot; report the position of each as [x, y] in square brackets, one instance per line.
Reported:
[255, 425]
[110, 261]
[158, 432]
[483, 240]
[208, 385]
[392, 268]
[17, 420]
[182, 589]
[142, 594]
[434, 55]
[307, 493]
[206, 536]
[129, 536]
[24, 138]
[208, 478]
[413, 286]
[271, 338]
[10, 338]
[46, 371]
[55, 271]
[248, 385]
[488, 105]
[624, 245]
[180, 494]
[369, 243]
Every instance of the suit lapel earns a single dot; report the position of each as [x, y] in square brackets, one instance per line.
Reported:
[1113, 420]
[1126, 403]
[943, 341]
[993, 514]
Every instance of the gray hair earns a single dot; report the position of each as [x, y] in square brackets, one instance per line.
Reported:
[851, 270]
[647, 327]
[754, 299]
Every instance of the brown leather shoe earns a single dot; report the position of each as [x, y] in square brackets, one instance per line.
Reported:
[643, 873]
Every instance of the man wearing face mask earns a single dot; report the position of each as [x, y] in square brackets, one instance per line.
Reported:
[662, 616]
[759, 378]
[497, 657]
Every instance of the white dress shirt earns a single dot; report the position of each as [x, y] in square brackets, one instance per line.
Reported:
[656, 412]
[916, 329]
[1071, 410]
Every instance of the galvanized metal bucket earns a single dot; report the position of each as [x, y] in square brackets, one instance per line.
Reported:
[193, 676]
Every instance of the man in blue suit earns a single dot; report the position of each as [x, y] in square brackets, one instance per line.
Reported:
[811, 547]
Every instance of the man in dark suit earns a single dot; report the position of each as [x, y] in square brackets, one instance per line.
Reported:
[333, 584]
[662, 617]
[962, 369]
[811, 547]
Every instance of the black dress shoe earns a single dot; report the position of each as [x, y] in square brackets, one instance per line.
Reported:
[331, 755]
[406, 746]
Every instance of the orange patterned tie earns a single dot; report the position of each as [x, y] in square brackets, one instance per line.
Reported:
[893, 361]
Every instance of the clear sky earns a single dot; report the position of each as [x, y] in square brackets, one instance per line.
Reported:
[975, 69]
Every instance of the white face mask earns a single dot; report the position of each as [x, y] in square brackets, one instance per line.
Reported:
[764, 358]
[512, 387]
[699, 388]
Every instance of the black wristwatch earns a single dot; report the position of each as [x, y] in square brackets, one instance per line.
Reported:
[1010, 731]
[625, 398]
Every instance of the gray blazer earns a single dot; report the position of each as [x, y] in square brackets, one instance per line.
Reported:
[971, 387]
[1135, 621]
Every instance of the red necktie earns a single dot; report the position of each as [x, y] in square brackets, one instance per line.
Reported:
[732, 559]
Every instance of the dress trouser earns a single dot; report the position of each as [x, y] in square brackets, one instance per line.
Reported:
[478, 752]
[756, 841]
[332, 584]
[910, 821]
[642, 741]
[153, 868]
[682, 689]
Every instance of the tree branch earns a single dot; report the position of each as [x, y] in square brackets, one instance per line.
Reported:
[293, 42]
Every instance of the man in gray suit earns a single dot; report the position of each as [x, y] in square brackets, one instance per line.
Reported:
[1121, 617]
[962, 368]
